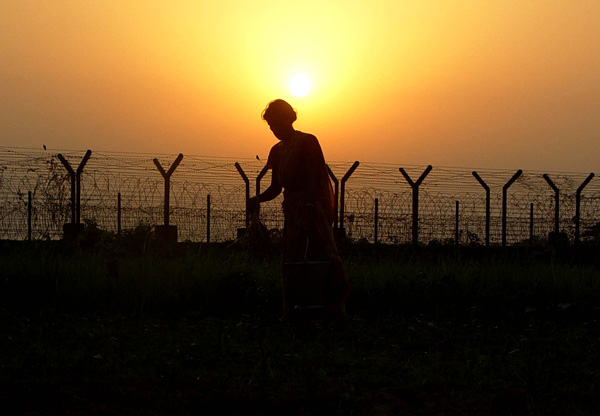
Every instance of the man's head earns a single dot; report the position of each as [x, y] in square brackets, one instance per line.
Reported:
[279, 110]
[280, 116]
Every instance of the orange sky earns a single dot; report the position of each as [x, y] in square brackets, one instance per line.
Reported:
[493, 84]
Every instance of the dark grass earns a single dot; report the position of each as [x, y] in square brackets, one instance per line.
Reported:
[195, 329]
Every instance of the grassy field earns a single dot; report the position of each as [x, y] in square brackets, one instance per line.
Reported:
[113, 328]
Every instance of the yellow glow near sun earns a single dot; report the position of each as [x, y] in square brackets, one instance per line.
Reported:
[300, 85]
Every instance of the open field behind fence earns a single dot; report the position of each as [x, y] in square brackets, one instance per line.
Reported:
[207, 198]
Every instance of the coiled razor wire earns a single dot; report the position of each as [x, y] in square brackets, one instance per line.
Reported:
[135, 177]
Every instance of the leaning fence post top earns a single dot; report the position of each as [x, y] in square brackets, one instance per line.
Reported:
[171, 169]
[481, 181]
[160, 168]
[550, 182]
[424, 174]
[514, 178]
[263, 172]
[242, 173]
[585, 182]
[66, 164]
[175, 164]
[421, 178]
[331, 174]
[84, 161]
[350, 171]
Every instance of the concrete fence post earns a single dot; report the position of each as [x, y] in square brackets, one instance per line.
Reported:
[415, 200]
[247, 195]
[504, 203]
[336, 193]
[350, 171]
[487, 207]
[73, 229]
[556, 203]
[167, 232]
[578, 205]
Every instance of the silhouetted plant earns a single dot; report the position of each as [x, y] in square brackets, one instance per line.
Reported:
[137, 240]
[92, 236]
[53, 191]
[473, 239]
[592, 233]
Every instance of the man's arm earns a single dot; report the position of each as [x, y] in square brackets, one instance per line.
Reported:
[274, 188]
[272, 191]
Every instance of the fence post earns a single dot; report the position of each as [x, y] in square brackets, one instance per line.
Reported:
[119, 213]
[262, 173]
[29, 215]
[578, 205]
[504, 195]
[376, 220]
[456, 232]
[73, 229]
[556, 203]
[531, 224]
[72, 176]
[343, 195]
[336, 193]
[247, 182]
[415, 200]
[208, 218]
[487, 207]
[78, 176]
[167, 232]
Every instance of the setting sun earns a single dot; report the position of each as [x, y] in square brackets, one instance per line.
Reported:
[300, 85]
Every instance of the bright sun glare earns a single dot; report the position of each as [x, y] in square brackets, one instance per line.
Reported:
[300, 85]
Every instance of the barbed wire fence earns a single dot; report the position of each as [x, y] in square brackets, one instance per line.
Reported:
[451, 206]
